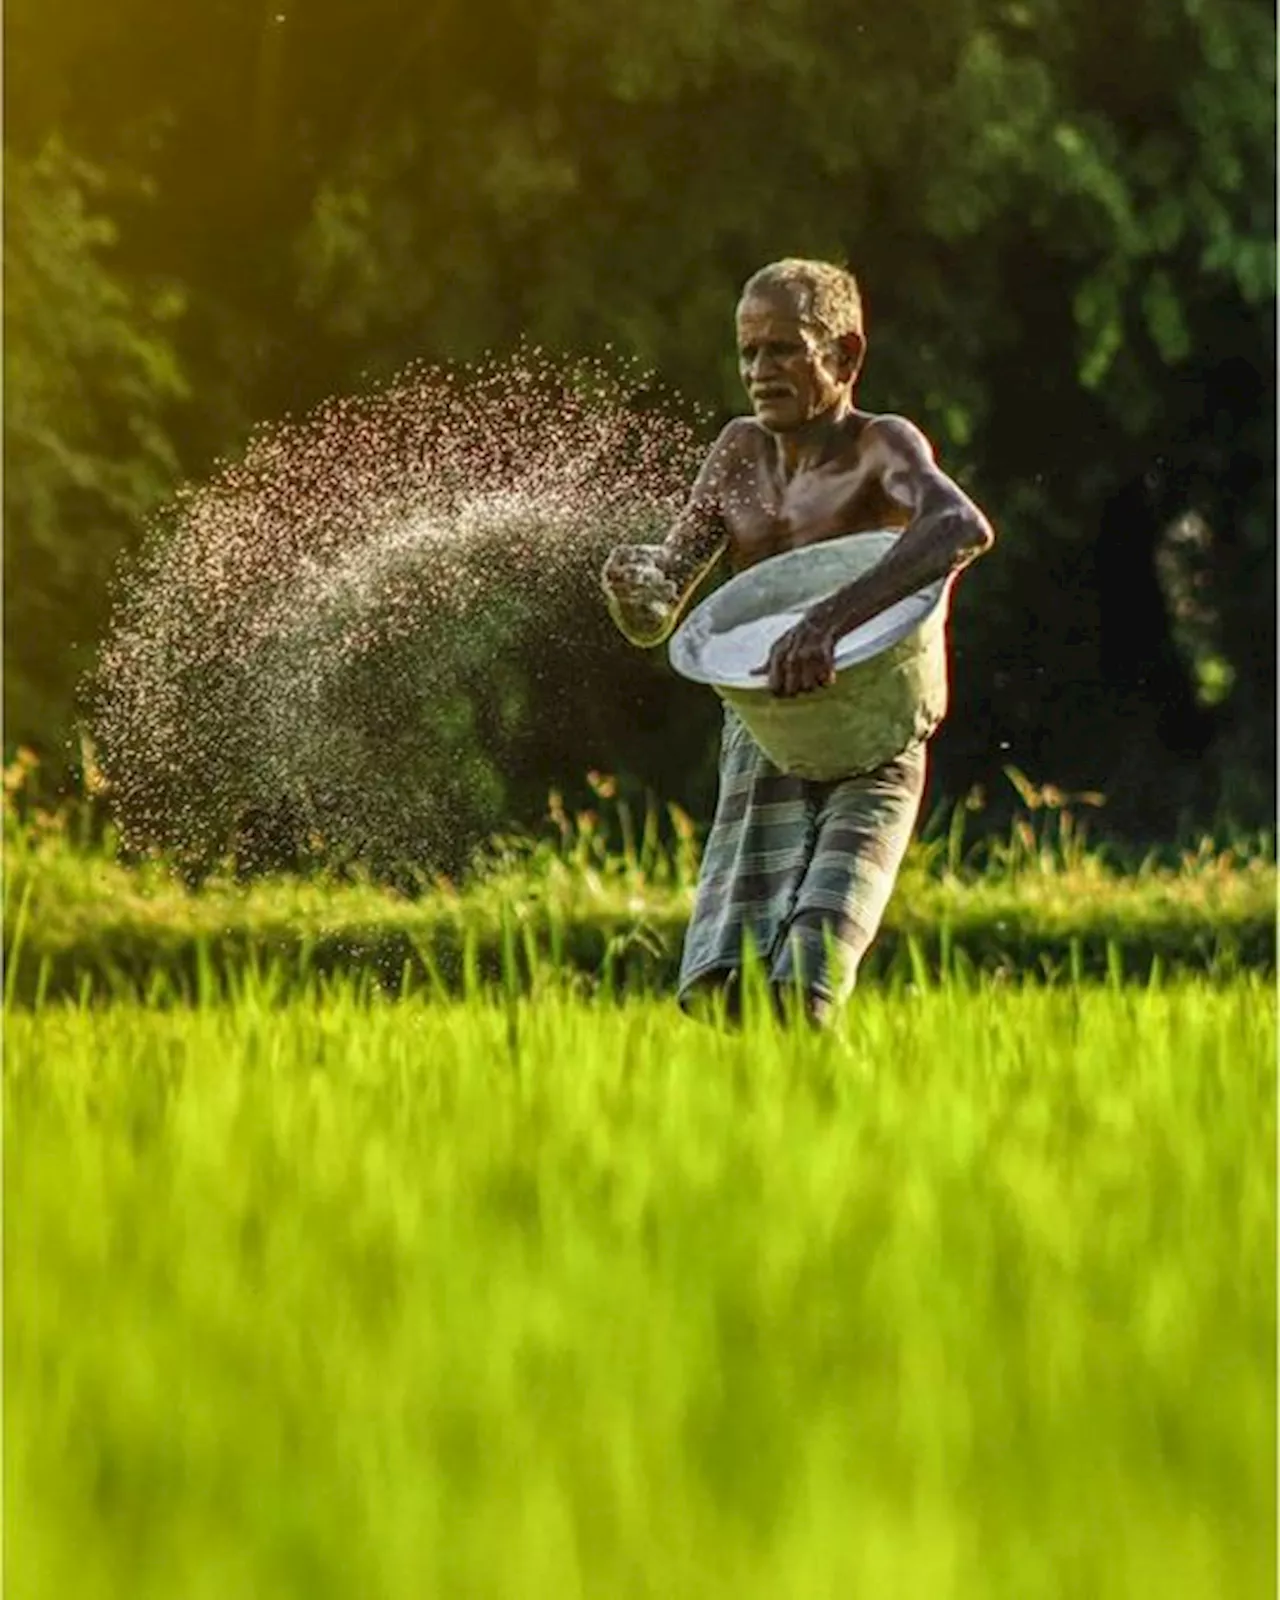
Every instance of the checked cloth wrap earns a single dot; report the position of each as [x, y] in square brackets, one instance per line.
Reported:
[801, 869]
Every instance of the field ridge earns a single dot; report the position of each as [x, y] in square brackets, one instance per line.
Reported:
[79, 923]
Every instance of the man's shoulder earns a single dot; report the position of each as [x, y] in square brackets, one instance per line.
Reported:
[737, 446]
[898, 436]
[740, 436]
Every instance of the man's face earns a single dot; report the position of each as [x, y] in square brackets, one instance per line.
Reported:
[792, 374]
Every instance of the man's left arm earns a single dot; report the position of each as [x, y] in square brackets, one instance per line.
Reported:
[946, 532]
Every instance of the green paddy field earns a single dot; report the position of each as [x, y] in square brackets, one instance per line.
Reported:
[344, 1293]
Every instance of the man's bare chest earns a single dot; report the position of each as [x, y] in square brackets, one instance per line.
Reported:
[768, 516]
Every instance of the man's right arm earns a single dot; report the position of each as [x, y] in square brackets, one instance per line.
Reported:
[647, 586]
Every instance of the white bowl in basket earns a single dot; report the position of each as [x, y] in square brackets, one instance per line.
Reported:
[891, 673]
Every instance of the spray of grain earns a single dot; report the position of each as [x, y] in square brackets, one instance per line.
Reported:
[345, 630]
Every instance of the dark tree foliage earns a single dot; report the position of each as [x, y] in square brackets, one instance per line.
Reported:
[1062, 212]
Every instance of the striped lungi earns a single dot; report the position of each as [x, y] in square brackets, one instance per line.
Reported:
[802, 869]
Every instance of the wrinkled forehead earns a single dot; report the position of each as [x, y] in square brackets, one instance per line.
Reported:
[775, 315]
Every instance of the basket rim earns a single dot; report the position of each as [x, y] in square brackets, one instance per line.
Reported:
[688, 641]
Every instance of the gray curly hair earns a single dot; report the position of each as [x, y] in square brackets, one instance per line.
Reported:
[827, 297]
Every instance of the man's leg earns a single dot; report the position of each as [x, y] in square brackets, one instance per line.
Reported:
[755, 857]
[715, 997]
[863, 828]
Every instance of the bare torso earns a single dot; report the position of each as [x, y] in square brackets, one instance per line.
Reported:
[758, 496]
[763, 510]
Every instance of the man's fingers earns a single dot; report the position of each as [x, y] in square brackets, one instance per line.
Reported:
[812, 673]
[640, 588]
[794, 669]
[628, 554]
[638, 559]
[767, 667]
[780, 664]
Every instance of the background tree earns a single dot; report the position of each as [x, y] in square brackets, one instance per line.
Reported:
[90, 374]
[1063, 215]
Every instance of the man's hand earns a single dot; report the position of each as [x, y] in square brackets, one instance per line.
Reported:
[642, 596]
[803, 659]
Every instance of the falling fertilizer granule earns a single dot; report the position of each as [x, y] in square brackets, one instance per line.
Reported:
[327, 631]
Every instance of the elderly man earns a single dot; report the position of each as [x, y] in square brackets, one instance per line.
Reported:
[803, 869]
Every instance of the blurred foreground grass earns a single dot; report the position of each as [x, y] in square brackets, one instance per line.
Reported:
[548, 1298]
